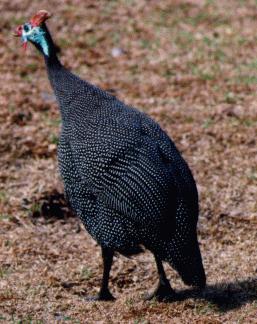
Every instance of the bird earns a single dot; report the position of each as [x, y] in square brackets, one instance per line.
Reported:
[123, 175]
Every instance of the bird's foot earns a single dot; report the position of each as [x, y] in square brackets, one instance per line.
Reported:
[102, 296]
[163, 293]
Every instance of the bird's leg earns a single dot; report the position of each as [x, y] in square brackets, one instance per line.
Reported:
[104, 293]
[163, 292]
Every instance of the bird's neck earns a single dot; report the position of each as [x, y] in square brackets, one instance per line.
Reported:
[53, 64]
[57, 73]
[61, 81]
[48, 49]
[64, 83]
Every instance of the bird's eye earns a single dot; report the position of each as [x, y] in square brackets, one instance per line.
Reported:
[26, 28]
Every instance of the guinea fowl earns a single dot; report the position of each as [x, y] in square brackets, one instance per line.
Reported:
[123, 176]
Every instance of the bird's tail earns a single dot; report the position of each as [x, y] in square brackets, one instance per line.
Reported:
[186, 259]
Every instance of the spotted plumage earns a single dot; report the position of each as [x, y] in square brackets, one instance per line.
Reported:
[124, 177]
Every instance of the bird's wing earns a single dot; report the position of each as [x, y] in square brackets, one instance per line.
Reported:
[154, 131]
[129, 174]
[142, 188]
[184, 178]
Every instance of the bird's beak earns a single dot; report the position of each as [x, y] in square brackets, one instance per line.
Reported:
[18, 31]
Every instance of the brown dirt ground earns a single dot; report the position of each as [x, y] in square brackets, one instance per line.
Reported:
[192, 65]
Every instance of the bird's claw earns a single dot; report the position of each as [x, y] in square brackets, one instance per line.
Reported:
[102, 296]
[163, 293]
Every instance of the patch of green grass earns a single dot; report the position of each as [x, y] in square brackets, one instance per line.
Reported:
[184, 38]
[25, 76]
[168, 73]
[204, 309]
[61, 317]
[129, 302]
[54, 139]
[203, 75]
[11, 107]
[50, 121]
[189, 119]
[4, 271]
[253, 64]
[199, 18]
[208, 41]
[108, 8]
[7, 243]
[230, 97]
[246, 73]
[86, 273]
[134, 69]
[163, 19]
[67, 318]
[145, 43]
[141, 320]
[219, 55]
[205, 17]
[35, 208]
[207, 76]
[64, 42]
[55, 122]
[207, 123]
[27, 320]
[3, 197]
[91, 40]
[209, 2]
[5, 217]
[252, 175]
[247, 79]
[32, 67]
[69, 8]
[234, 121]
[18, 21]
[116, 38]
[249, 122]
[128, 2]
[241, 40]
[153, 302]
[7, 294]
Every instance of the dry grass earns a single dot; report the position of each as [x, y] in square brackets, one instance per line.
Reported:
[192, 65]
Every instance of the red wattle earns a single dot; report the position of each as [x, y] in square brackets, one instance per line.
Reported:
[18, 31]
[24, 45]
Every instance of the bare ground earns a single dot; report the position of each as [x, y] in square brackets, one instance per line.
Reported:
[190, 64]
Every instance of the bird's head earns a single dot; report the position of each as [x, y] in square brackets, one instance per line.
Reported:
[35, 31]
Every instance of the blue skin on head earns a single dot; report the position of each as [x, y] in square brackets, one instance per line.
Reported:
[35, 35]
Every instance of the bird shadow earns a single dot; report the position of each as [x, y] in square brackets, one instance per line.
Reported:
[225, 296]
